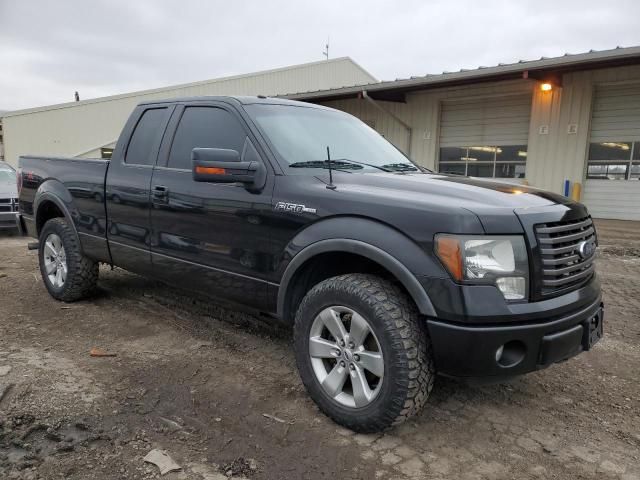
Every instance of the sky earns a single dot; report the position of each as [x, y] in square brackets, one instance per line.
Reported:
[50, 49]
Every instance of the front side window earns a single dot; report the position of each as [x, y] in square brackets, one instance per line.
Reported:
[504, 161]
[614, 161]
[205, 127]
[300, 137]
[145, 137]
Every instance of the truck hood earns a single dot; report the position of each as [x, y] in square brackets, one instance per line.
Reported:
[8, 190]
[474, 194]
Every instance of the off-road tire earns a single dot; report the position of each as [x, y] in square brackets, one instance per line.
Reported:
[403, 337]
[82, 272]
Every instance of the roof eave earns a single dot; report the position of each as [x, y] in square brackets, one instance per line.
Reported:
[536, 69]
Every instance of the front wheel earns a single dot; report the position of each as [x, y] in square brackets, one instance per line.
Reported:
[362, 352]
[66, 272]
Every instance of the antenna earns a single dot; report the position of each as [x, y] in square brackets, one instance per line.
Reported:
[326, 49]
[331, 186]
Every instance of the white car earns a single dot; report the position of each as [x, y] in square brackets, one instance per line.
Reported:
[8, 198]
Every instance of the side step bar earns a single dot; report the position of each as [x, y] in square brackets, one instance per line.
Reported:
[33, 245]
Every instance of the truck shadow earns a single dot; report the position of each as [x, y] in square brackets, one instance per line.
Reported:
[187, 307]
[197, 314]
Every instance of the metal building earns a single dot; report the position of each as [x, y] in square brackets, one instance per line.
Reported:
[90, 128]
[575, 117]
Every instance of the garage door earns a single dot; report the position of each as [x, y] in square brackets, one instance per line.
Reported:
[612, 187]
[485, 137]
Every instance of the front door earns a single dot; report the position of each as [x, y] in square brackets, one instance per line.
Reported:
[209, 237]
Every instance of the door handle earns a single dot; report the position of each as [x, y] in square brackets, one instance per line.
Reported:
[160, 192]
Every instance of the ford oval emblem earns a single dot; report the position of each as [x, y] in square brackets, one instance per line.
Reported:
[586, 249]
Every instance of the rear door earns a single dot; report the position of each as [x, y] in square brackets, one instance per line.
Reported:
[210, 237]
[127, 187]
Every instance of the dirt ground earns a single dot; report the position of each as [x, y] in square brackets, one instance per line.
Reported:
[218, 390]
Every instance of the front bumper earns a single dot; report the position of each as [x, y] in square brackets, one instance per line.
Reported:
[506, 350]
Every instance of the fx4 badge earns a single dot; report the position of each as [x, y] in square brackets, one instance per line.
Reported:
[292, 207]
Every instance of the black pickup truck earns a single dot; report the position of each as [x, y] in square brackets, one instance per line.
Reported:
[389, 273]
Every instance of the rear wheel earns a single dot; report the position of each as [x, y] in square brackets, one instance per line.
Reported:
[362, 352]
[67, 274]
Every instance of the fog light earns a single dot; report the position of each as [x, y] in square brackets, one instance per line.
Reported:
[512, 288]
[511, 353]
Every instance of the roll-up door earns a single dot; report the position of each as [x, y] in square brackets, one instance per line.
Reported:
[612, 187]
[485, 137]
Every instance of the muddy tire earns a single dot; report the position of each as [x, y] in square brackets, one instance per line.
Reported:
[67, 274]
[362, 352]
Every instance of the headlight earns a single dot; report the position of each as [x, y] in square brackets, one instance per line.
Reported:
[497, 260]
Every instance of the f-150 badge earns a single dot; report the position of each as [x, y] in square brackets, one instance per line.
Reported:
[292, 207]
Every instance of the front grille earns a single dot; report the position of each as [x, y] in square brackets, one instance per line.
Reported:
[562, 265]
[8, 205]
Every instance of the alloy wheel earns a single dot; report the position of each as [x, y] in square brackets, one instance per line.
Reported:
[346, 356]
[55, 260]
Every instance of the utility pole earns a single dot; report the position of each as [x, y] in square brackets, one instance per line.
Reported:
[326, 49]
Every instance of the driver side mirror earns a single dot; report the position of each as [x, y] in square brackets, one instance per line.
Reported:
[219, 165]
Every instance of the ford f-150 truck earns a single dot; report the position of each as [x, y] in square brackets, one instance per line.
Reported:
[389, 273]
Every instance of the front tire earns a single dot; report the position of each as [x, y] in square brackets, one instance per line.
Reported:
[362, 352]
[67, 274]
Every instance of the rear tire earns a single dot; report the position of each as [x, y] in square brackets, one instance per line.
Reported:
[397, 385]
[67, 274]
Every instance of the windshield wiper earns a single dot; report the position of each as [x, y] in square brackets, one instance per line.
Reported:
[378, 167]
[348, 164]
[401, 167]
[335, 164]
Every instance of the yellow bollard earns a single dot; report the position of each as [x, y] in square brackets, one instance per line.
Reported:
[576, 192]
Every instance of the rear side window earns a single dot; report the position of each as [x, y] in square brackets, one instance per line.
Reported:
[146, 137]
[205, 127]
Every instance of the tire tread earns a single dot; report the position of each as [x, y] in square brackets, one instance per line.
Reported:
[82, 272]
[412, 356]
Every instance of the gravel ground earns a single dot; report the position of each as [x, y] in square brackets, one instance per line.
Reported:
[218, 391]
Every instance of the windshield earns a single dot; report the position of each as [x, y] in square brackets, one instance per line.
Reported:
[7, 175]
[300, 137]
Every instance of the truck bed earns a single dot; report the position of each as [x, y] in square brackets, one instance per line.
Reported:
[78, 183]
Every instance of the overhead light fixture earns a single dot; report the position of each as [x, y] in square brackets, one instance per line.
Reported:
[621, 146]
[546, 87]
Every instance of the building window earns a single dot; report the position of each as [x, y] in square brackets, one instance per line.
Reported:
[106, 152]
[614, 161]
[505, 161]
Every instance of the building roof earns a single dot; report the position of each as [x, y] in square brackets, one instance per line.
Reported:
[542, 68]
[170, 88]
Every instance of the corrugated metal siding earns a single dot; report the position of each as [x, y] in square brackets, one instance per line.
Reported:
[617, 199]
[422, 112]
[552, 157]
[616, 113]
[79, 129]
[485, 121]
[562, 155]
[382, 122]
